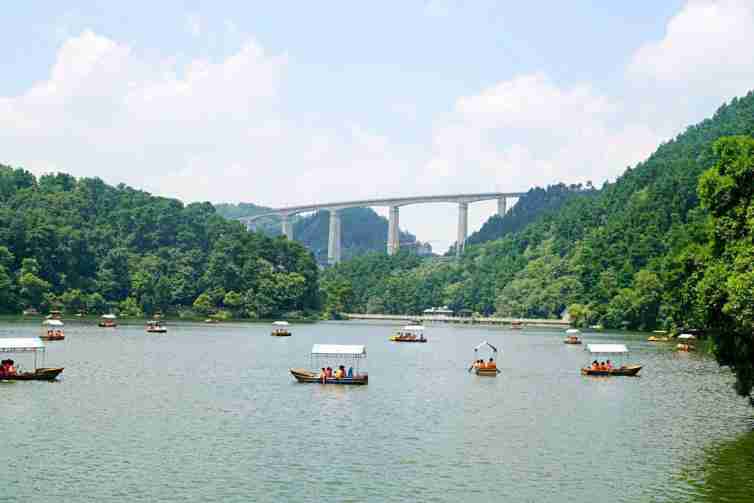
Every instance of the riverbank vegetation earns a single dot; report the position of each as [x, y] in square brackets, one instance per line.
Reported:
[84, 246]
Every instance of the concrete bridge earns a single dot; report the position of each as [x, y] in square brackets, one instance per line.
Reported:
[394, 203]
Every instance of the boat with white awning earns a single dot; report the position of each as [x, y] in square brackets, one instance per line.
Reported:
[349, 359]
[108, 321]
[410, 333]
[614, 350]
[52, 330]
[485, 368]
[26, 345]
[281, 329]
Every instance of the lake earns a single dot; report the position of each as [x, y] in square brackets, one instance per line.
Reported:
[210, 413]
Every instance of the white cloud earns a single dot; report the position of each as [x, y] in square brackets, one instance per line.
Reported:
[706, 49]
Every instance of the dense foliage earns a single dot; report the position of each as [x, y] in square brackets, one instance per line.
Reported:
[86, 246]
[527, 209]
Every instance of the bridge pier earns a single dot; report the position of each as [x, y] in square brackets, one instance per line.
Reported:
[463, 223]
[502, 206]
[285, 221]
[393, 231]
[333, 244]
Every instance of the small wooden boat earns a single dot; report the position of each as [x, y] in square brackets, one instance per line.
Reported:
[485, 368]
[52, 330]
[410, 333]
[306, 376]
[35, 346]
[156, 327]
[517, 325]
[40, 374]
[609, 349]
[686, 344]
[327, 354]
[108, 321]
[572, 339]
[628, 370]
[281, 329]
[654, 338]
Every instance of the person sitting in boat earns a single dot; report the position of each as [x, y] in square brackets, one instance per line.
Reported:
[328, 372]
[609, 365]
[350, 372]
[340, 373]
[8, 369]
[322, 373]
[595, 365]
[491, 364]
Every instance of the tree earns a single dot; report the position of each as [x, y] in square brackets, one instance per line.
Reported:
[203, 304]
[726, 292]
[32, 287]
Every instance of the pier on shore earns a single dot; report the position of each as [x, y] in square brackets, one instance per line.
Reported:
[469, 320]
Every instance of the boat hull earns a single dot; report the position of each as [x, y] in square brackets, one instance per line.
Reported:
[157, 330]
[52, 337]
[281, 334]
[486, 372]
[106, 325]
[306, 376]
[629, 370]
[398, 339]
[571, 342]
[43, 374]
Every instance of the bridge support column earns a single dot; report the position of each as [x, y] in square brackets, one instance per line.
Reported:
[393, 231]
[463, 222]
[502, 206]
[333, 244]
[285, 221]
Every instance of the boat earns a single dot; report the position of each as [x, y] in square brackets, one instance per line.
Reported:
[281, 329]
[485, 368]
[686, 343]
[325, 355]
[54, 315]
[610, 349]
[108, 321]
[410, 333]
[52, 330]
[27, 345]
[654, 338]
[572, 336]
[156, 327]
[597, 327]
[517, 325]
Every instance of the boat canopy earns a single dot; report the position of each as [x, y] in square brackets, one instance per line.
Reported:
[280, 323]
[606, 348]
[485, 343]
[52, 323]
[573, 331]
[686, 337]
[109, 316]
[21, 345]
[414, 328]
[336, 350]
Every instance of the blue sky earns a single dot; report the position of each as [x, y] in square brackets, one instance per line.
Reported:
[293, 102]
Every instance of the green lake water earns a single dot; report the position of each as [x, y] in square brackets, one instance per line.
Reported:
[210, 413]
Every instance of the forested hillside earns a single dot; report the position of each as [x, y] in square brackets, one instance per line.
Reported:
[528, 208]
[601, 255]
[362, 229]
[86, 246]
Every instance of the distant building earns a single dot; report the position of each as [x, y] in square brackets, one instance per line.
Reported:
[438, 311]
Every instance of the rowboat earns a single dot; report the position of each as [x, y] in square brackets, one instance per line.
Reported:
[482, 368]
[108, 321]
[619, 350]
[325, 355]
[32, 345]
[410, 333]
[686, 343]
[280, 329]
[156, 327]
[52, 330]
[517, 325]
[654, 338]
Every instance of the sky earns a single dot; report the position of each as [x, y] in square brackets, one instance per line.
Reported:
[285, 103]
